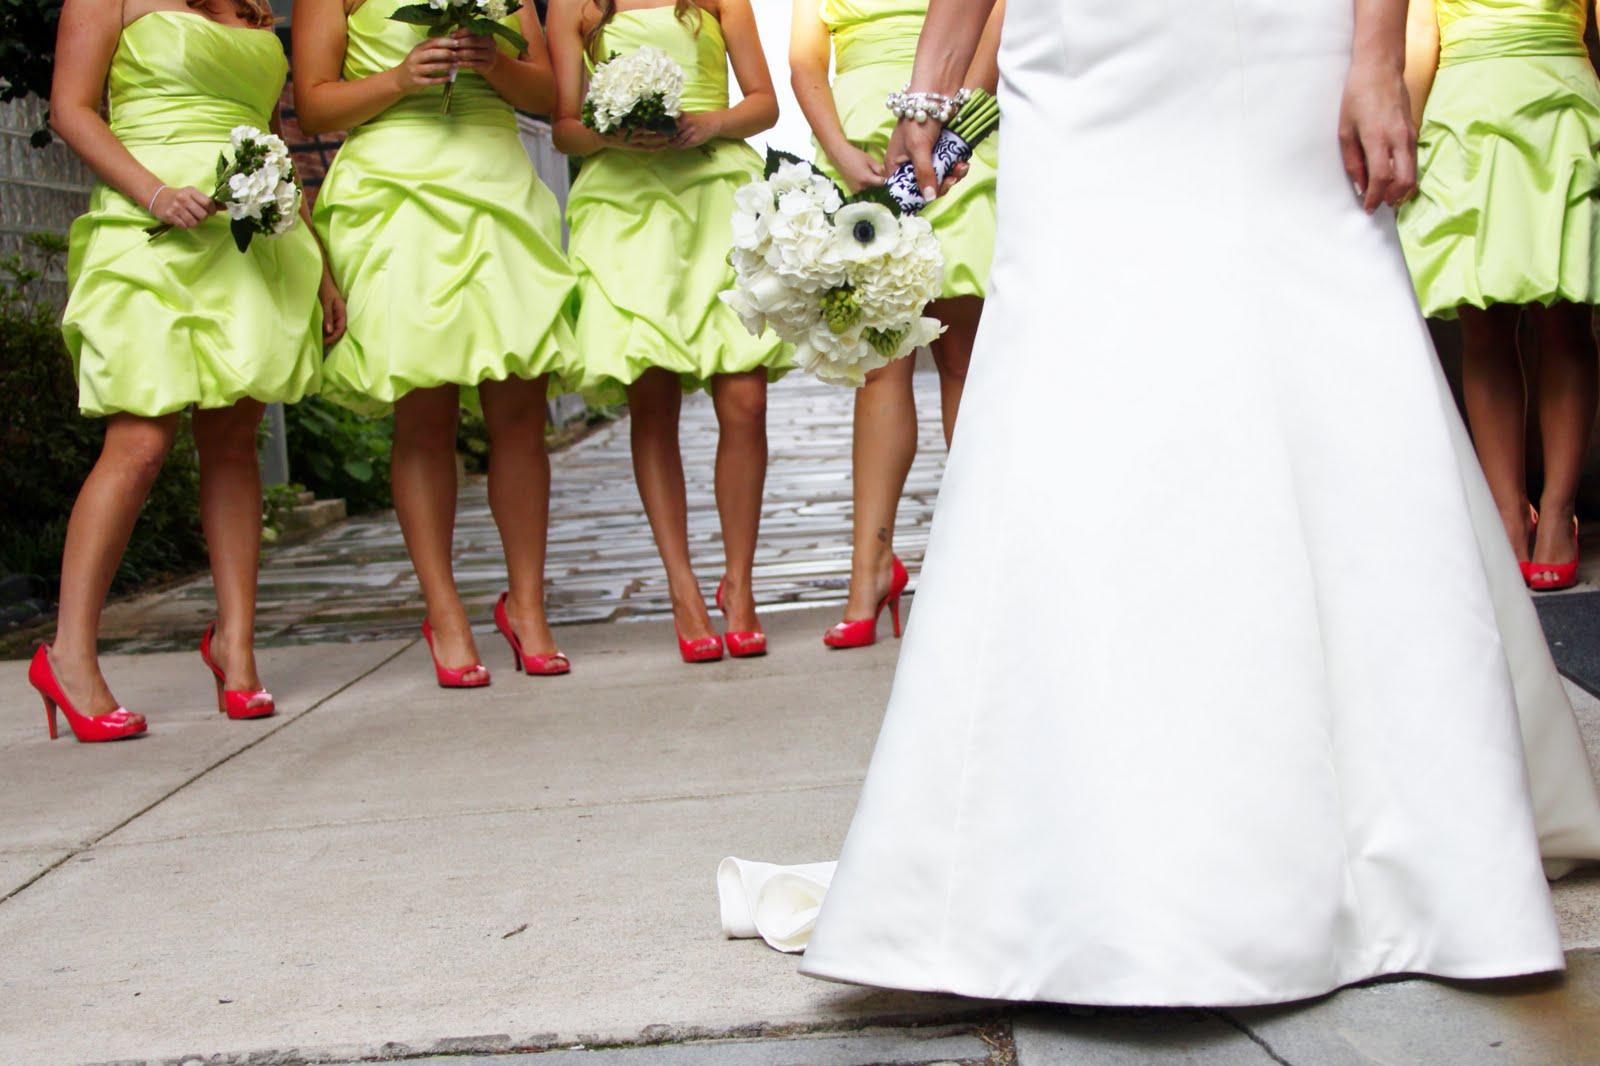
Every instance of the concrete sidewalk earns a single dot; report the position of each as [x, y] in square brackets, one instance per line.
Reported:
[387, 869]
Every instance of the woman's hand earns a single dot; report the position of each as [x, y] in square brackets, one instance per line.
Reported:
[428, 64]
[183, 208]
[859, 169]
[333, 312]
[638, 141]
[1377, 136]
[913, 142]
[476, 52]
[696, 128]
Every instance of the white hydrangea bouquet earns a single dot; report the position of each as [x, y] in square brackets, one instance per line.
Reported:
[639, 91]
[483, 18]
[258, 187]
[843, 279]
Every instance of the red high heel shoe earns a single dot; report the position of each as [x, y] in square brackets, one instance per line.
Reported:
[236, 705]
[552, 665]
[88, 728]
[748, 645]
[1554, 577]
[863, 632]
[704, 650]
[450, 676]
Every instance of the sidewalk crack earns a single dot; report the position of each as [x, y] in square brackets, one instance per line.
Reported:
[153, 804]
[1251, 1034]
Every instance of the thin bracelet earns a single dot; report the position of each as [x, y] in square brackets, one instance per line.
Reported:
[150, 208]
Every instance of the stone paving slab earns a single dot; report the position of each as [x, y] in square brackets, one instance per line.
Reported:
[899, 1048]
[1137, 1038]
[354, 582]
[630, 724]
[62, 796]
[1532, 1022]
[551, 928]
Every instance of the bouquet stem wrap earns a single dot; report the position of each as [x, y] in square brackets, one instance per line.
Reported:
[976, 122]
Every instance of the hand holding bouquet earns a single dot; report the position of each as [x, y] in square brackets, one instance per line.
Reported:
[843, 280]
[481, 18]
[977, 117]
[641, 91]
[258, 187]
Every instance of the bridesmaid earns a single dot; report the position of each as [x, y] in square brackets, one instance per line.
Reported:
[872, 44]
[1505, 226]
[449, 248]
[651, 229]
[156, 327]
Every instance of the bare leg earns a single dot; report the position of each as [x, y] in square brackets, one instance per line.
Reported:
[519, 496]
[423, 475]
[741, 401]
[1497, 404]
[952, 353]
[230, 513]
[97, 534]
[654, 403]
[885, 443]
[1569, 391]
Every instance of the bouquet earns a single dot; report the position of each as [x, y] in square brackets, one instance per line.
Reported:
[642, 90]
[844, 280]
[483, 18]
[258, 188]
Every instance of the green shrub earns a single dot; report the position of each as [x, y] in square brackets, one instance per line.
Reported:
[47, 449]
[472, 441]
[338, 454]
[27, 51]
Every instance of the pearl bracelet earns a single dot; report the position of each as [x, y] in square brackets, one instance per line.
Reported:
[920, 107]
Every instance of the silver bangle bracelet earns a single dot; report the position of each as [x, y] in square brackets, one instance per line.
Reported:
[920, 107]
[150, 208]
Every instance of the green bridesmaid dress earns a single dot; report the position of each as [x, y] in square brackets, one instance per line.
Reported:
[651, 232]
[441, 236]
[1506, 209]
[186, 320]
[874, 45]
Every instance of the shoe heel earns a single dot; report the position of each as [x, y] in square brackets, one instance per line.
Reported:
[894, 614]
[222, 700]
[50, 716]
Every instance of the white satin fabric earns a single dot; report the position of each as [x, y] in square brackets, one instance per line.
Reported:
[779, 904]
[1213, 686]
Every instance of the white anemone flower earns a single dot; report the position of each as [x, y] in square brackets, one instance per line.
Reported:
[865, 231]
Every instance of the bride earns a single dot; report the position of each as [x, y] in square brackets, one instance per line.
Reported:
[1214, 685]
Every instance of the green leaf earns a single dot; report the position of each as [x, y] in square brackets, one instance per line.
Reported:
[776, 159]
[222, 169]
[243, 231]
[502, 31]
[359, 469]
[876, 194]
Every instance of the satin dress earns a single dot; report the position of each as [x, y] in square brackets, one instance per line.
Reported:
[443, 239]
[1222, 685]
[187, 320]
[874, 46]
[651, 233]
[1508, 208]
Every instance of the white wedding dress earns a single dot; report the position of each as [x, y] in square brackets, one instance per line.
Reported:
[1213, 685]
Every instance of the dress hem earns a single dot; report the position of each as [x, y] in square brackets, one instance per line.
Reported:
[1451, 311]
[199, 404]
[1485, 972]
